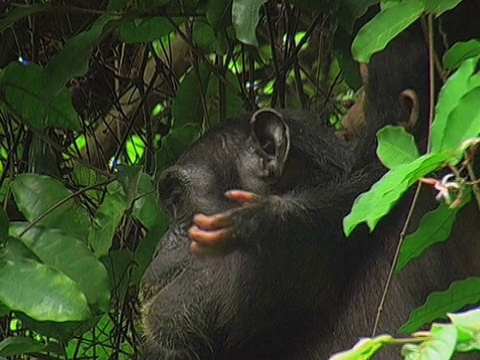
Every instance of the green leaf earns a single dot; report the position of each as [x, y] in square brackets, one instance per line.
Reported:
[365, 349]
[245, 18]
[438, 7]
[458, 295]
[175, 143]
[396, 146]
[219, 13]
[74, 58]
[107, 219]
[70, 256]
[37, 194]
[371, 206]
[187, 108]
[435, 227]
[205, 36]
[468, 326]
[39, 291]
[145, 30]
[460, 52]
[384, 27]
[3, 225]
[21, 12]
[19, 345]
[351, 10]
[22, 88]
[457, 113]
[146, 208]
[439, 347]
[129, 178]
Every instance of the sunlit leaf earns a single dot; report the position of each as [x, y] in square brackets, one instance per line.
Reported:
[396, 146]
[468, 326]
[460, 52]
[371, 206]
[438, 7]
[384, 27]
[458, 295]
[457, 113]
[365, 349]
[439, 347]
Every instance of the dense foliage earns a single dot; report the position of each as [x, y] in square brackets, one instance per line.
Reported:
[97, 97]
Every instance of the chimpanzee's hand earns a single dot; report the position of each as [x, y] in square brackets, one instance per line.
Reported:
[213, 235]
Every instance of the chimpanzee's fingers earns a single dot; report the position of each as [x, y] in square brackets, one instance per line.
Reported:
[242, 196]
[214, 222]
[209, 238]
[199, 251]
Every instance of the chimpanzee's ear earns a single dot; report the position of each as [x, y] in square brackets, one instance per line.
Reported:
[271, 138]
[410, 99]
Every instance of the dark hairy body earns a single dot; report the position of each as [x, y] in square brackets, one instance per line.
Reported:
[284, 272]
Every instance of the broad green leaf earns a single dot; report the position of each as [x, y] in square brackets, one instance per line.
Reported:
[460, 52]
[435, 227]
[175, 143]
[144, 30]
[439, 347]
[40, 291]
[19, 345]
[219, 13]
[371, 206]
[37, 194]
[21, 12]
[438, 7]
[74, 58]
[107, 219]
[458, 295]
[70, 256]
[245, 18]
[384, 27]
[350, 10]
[146, 208]
[203, 35]
[468, 326]
[187, 108]
[23, 93]
[365, 349]
[457, 113]
[396, 146]
[129, 178]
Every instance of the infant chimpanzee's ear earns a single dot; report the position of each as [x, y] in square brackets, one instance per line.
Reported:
[271, 138]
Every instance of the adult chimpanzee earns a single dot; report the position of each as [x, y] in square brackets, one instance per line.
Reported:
[282, 286]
